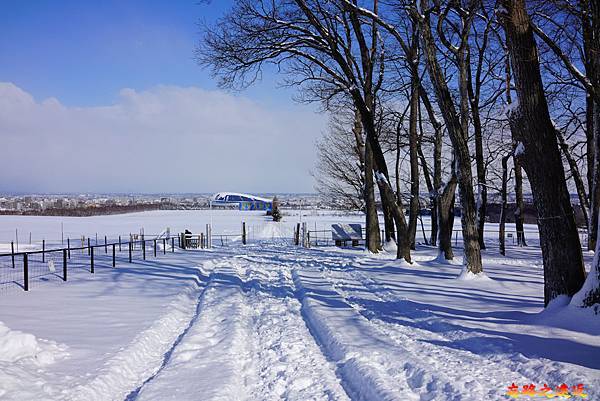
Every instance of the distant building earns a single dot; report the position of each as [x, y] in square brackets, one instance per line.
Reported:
[241, 201]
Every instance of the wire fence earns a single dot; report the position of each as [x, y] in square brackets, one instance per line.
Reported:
[51, 261]
[316, 238]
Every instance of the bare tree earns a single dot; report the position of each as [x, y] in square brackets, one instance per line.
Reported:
[538, 151]
[340, 162]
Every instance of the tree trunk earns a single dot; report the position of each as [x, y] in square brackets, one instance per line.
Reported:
[373, 239]
[446, 218]
[413, 139]
[519, 204]
[481, 180]
[458, 136]
[503, 195]
[538, 151]
[575, 174]
[595, 189]
[590, 21]
[383, 182]
[434, 192]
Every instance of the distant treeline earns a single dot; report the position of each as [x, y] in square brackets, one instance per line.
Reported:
[84, 210]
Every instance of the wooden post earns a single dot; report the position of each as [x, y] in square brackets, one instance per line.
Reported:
[119, 243]
[144, 249]
[244, 233]
[172, 245]
[12, 252]
[130, 248]
[308, 239]
[68, 248]
[64, 265]
[105, 247]
[164, 246]
[89, 247]
[297, 234]
[201, 238]
[25, 272]
[43, 250]
[154, 247]
[113, 249]
[91, 260]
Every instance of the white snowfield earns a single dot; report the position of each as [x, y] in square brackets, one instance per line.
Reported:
[271, 321]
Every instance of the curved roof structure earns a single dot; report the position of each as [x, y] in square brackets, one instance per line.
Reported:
[236, 197]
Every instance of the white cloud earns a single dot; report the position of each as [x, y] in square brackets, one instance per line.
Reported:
[167, 138]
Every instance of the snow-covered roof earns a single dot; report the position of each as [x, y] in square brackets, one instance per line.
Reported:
[253, 197]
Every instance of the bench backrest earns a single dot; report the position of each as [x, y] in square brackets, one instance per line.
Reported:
[346, 232]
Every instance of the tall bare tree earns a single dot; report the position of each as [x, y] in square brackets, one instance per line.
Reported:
[538, 151]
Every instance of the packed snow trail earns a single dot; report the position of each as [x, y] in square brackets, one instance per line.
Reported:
[343, 306]
[248, 343]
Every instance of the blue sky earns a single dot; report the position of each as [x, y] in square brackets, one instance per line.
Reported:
[83, 54]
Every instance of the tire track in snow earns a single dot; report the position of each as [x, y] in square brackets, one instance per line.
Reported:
[212, 360]
[288, 361]
[248, 343]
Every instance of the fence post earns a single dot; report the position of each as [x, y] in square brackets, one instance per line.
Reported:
[12, 252]
[130, 247]
[64, 265]
[68, 248]
[201, 238]
[308, 239]
[25, 272]
[297, 234]
[89, 247]
[244, 233]
[91, 260]
[164, 246]
[144, 249]
[105, 248]
[155, 248]
[113, 249]
[119, 243]
[172, 245]
[43, 250]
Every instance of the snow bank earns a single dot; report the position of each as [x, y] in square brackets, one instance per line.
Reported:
[18, 346]
[23, 359]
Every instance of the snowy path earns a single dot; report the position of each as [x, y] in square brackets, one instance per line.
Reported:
[248, 342]
[269, 322]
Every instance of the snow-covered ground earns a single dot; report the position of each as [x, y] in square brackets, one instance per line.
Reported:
[270, 321]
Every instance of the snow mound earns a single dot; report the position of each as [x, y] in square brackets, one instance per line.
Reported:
[18, 346]
[466, 275]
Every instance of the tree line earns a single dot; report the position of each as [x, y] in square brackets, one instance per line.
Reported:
[460, 97]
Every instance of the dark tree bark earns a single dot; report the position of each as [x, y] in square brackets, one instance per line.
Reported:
[520, 204]
[446, 218]
[413, 140]
[538, 151]
[373, 237]
[504, 200]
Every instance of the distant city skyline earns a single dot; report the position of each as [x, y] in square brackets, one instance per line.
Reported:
[106, 97]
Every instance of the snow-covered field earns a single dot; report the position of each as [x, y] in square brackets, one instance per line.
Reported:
[270, 321]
